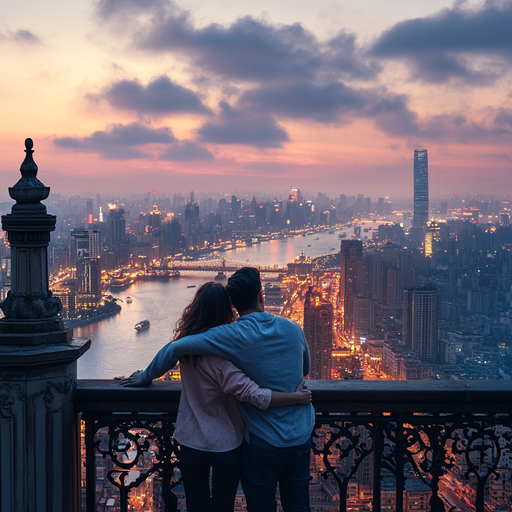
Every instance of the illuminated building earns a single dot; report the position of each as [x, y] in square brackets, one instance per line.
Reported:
[116, 223]
[432, 235]
[88, 279]
[274, 297]
[352, 280]
[364, 316]
[411, 368]
[78, 245]
[94, 243]
[155, 218]
[318, 323]
[392, 351]
[295, 196]
[89, 212]
[420, 188]
[66, 293]
[419, 320]
[85, 250]
[302, 267]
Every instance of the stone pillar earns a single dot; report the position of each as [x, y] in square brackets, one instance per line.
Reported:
[38, 355]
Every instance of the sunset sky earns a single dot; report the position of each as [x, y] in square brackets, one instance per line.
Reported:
[125, 96]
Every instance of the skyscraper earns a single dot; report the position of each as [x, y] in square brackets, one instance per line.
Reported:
[116, 224]
[353, 280]
[364, 316]
[432, 236]
[85, 250]
[318, 323]
[420, 312]
[420, 188]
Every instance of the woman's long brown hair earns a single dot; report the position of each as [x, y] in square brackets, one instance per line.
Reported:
[209, 308]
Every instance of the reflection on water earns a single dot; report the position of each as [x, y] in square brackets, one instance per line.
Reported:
[118, 349]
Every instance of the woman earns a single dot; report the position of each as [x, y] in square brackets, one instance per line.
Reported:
[209, 426]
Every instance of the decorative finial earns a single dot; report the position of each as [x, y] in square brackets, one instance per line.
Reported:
[29, 189]
[28, 167]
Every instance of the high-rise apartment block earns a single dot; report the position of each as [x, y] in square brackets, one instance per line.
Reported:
[116, 223]
[364, 316]
[420, 188]
[85, 251]
[419, 321]
[318, 325]
[353, 280]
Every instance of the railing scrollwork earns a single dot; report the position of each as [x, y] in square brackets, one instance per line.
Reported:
[390, 441]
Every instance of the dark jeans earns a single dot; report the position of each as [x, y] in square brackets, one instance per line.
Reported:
[266, 465]
[195, 469]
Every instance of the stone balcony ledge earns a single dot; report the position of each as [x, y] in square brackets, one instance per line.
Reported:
[328, 396]
[414, 430]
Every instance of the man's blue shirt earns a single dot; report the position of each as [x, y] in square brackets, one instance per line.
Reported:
[272, 351]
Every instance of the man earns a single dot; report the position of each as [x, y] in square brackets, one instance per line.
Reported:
[272, 351]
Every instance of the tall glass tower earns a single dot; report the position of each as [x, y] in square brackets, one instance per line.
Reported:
[420, 188]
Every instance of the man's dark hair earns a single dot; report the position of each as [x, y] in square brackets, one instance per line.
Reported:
[243, 288]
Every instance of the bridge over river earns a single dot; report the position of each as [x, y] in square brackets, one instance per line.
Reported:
[228, 265]
[222, 265]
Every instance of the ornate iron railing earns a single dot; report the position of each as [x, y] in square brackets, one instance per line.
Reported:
[421, 431]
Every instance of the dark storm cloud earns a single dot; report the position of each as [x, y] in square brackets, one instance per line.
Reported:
[159, 97]
[443, 128]
[436, 46]
[504, 118]
[186, 151]
[338, 103]
[118, 142]
[325, 103]
[342, 56]
[20, 37]
[252, 49]
[248, 49]
[334, 103]
[243, 126]
[107, 9]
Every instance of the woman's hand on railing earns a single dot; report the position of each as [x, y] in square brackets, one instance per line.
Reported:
[134, 380]
[304, 396]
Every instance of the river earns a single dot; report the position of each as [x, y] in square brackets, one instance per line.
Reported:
[118, 349]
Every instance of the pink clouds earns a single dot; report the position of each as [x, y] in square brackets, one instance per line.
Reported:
[248, 99]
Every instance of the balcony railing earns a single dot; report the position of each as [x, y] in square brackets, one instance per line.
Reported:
[369, 431]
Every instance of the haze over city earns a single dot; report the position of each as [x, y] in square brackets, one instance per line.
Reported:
[258, 95]
[337, 174]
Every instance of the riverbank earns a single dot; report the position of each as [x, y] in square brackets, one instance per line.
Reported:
[91, 319]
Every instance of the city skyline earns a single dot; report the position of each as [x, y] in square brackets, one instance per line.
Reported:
[376, 302]
[327, 96]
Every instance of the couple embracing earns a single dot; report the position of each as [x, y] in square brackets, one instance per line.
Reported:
[244, 410]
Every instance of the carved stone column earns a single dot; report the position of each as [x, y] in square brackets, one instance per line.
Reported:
[38, 434]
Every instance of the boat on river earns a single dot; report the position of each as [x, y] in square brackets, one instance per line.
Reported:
[128, 300]
[119, 283]
[142, 325]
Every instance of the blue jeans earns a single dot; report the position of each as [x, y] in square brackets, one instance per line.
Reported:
[195, 470]
[265, 465]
